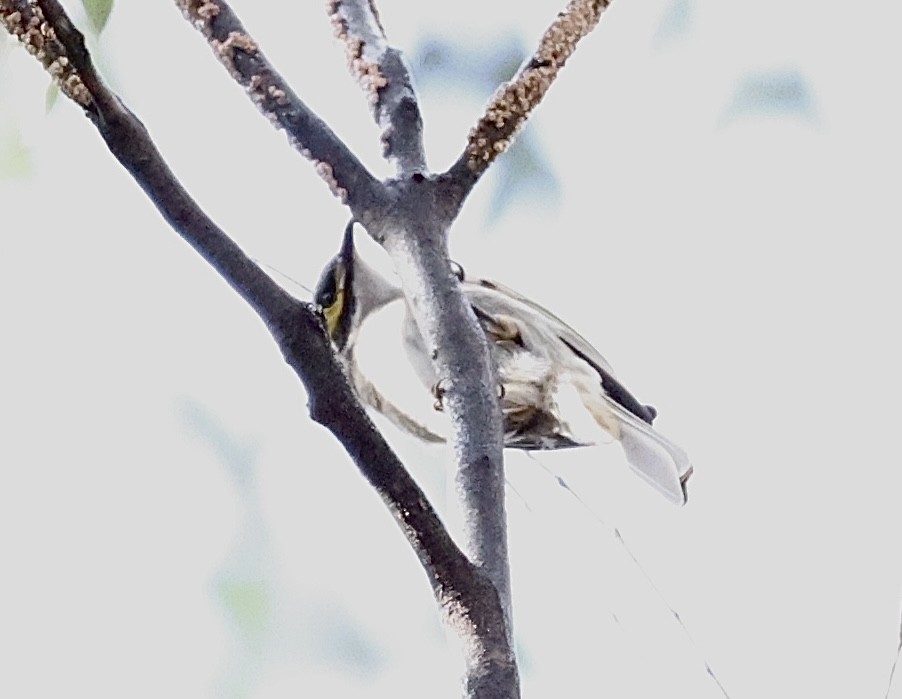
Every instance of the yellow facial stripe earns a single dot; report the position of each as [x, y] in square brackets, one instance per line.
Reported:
[333, 312]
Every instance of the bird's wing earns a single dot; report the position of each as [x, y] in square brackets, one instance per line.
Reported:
[613, 389]
[654, 457]
[482, 288]
[488, 296]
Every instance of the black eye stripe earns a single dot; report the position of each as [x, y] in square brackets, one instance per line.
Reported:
[332, 280]
[327, 298]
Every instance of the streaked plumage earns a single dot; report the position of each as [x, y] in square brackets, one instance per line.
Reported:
[557, 389]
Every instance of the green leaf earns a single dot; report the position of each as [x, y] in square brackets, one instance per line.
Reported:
[15, 158]
[98, 12]
[248, 603]
[50, 99]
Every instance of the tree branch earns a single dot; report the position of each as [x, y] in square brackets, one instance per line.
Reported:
[385, 79]
[512, 104]
[415, 236]
[414, 233]
[472, 596]
[411, 217]
[26, 23]
[345, 175]
[413, 229]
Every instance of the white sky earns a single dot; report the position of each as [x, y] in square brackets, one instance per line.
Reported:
[738, 268]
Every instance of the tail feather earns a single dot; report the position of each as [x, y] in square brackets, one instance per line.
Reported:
[654, 457]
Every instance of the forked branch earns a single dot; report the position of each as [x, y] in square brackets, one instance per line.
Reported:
[346, 176]
[411, 217]
[415, 234]
[467, 597]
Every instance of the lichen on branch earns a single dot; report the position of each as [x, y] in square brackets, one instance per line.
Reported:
[242, 57]
[383, 76]
[362, 64]
[27, 23]
[515, 100]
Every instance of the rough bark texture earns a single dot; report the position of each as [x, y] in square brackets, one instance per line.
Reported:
[514, 101]
[346, 177]
[385, 79]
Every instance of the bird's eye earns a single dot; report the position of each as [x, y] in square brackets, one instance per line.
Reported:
[457, 270]
[326, 296]
[328, 287]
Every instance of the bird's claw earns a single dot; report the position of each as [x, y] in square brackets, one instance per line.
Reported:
[438, 391]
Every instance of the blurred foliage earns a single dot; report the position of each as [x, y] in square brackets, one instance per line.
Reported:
[51, 97]
[262, 613]
[675, 22]
[15, 158]
[238, 456]
[247, 603]
[340, 641]
[98, 12]
[778, 93]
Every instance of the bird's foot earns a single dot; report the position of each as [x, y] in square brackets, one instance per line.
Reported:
[438, 392]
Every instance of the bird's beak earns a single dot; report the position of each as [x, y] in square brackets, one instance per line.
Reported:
[346, 253]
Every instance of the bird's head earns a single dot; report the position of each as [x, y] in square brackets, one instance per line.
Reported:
[350, 289]
[335, 293]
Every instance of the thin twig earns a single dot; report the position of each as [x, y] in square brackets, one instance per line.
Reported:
[514, 101]
[385, 79]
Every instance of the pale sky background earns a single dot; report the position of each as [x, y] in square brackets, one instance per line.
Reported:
[718, 212]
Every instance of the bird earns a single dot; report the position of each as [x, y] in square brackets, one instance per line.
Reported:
[556, 390]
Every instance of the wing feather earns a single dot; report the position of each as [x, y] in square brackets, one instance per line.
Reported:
[573, 338]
